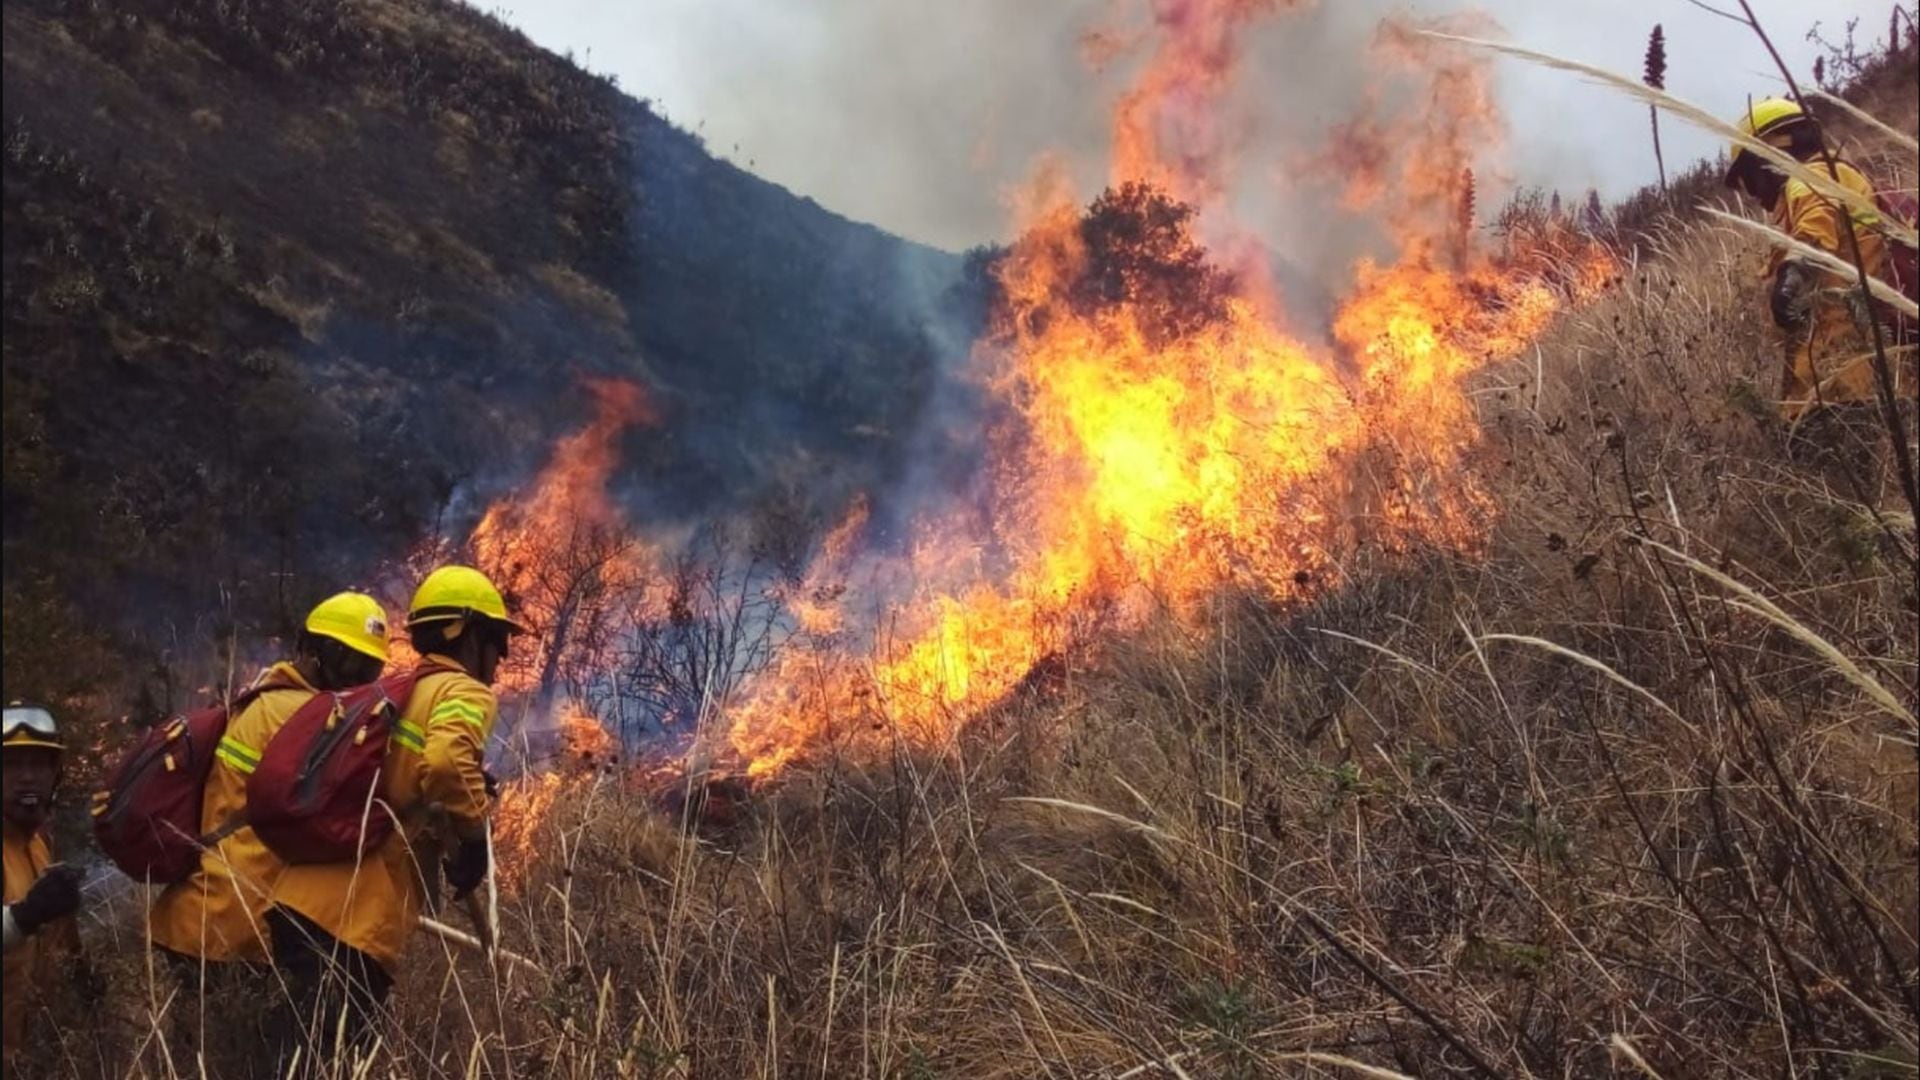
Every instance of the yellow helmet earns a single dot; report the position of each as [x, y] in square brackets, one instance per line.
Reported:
[30, 727]
[1770, 120]
[353, 619]
[459, 592]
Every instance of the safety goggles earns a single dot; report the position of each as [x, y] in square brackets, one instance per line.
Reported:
[29, 718]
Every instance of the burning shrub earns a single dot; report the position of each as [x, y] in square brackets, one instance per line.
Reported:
[1141, 257]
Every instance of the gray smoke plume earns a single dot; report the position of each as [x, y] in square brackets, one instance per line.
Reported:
[919, 116]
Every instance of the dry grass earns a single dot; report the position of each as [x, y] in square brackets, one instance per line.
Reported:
[1630, 792]
[1578, 805]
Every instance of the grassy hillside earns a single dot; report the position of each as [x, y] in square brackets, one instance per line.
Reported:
[1629, 791]
[1394, 828]
[282, 278]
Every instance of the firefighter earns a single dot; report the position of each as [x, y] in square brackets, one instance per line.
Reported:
[41, 895]
[209, 926]
[340, 929]
[1822, 316]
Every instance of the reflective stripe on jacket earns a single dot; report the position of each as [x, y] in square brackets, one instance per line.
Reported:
[1834, 348]
[434, 763]
[215, 913]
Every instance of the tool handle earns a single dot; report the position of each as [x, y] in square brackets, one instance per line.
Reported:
[468, 941]
[483, 927]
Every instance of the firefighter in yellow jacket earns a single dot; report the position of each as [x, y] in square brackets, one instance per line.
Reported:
[214, 916]
[341, 929]
[1821, 313]
[41, 895]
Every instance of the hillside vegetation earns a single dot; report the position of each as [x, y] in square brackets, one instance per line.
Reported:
[1579, 804]
[284, 279]
[1627, 791]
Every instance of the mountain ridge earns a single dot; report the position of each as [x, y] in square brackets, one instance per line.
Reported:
[283, 278]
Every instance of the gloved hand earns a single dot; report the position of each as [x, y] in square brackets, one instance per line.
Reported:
[1792, 286]
[492, 783]
[468, 867]
[54, 896]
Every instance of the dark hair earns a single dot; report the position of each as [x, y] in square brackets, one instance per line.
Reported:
[309, 643]
[430, 637]
[1804, 140]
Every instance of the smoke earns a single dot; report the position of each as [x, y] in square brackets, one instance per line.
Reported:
[929, 119]
[920, 117]
[1134, 426]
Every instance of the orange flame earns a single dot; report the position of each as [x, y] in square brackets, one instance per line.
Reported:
[1166, 128]
[525, 802]
[518, 816]
[559, 549]
[815, 604]
[1169, 445]
[1165, 437]
[585, 742]
[564, 557]
[1411, 156]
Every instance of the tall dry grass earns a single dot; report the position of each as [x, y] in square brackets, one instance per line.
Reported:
[1631, 791]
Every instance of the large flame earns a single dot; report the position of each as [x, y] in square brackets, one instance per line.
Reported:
[568, 562]
[561, 551]
[1171, 441]
[1162, 436]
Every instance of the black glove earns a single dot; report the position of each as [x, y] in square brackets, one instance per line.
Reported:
[54, 896]
[467, 868]
[1788, 299]
[492, 783]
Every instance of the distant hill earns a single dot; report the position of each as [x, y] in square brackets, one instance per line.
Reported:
[280, 279]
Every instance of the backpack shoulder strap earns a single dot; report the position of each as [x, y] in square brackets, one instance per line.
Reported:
[400, 687]
[269, 680]
[239, 701]
[234, 823]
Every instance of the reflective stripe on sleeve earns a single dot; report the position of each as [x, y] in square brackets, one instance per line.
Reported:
[454, 709]
[237, 754]
[409, 736]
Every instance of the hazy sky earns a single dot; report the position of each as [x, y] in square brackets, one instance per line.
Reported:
[918, 115]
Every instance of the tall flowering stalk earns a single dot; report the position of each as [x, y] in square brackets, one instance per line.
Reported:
[1656, 77]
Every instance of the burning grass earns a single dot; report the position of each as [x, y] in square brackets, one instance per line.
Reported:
[1455, 707]
[1388, 826]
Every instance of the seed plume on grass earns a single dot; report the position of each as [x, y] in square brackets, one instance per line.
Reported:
[1883, 290]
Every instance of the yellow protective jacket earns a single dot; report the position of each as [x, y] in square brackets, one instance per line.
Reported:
[30, 964]
[1835, 347]
[215, 913]
[434, 783]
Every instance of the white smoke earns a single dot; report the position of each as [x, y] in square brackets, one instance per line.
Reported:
[918, 116]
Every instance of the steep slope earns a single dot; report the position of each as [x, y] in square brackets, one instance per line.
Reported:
[282, 279]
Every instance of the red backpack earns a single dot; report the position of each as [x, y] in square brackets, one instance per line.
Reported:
[315, 796]
[147, 817]
[1903, 260]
